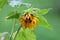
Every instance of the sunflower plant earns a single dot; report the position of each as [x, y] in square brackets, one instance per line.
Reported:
[28, 19]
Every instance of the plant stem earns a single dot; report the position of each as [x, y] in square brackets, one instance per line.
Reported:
[13, 29]
[17, 32]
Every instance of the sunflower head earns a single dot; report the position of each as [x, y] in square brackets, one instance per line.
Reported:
[28, 21]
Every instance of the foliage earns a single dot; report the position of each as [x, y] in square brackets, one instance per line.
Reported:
[18, 11]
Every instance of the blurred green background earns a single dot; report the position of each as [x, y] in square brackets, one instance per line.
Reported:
[53, 17]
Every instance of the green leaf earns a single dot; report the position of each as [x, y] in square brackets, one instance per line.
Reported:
[43, 11]
[2, 2]
[13, 15]
[25, 34]
[43, 22]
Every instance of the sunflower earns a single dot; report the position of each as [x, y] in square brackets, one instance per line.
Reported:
[28, 21]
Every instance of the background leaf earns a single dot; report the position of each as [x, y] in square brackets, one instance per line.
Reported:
[2, 3]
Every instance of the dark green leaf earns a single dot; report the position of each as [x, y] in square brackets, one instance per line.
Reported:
[12, 16]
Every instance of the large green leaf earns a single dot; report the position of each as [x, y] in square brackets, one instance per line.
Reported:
[2, 2]
[43, 22]
[26, 34]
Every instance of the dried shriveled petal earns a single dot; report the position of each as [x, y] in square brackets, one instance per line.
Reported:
[28, 21]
